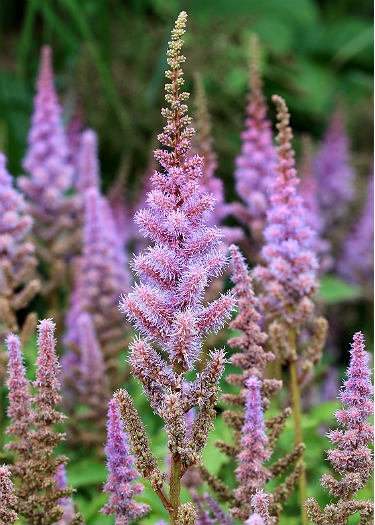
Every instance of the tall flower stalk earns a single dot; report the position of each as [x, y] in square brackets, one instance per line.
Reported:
[167, 305]
[33, 419]
[288, 274]
[353, 458]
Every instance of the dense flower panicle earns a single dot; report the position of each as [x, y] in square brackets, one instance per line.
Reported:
[356, 263]
[255, 165]
[167, 304]
[87, 162]
[251, 474]
[335, 177]
[18, 283]
[288, 276]
[122, 473]
[100, 276]
[35, 464]
[352, 459]
[254, 519]
[19, 409]
[7, 498]
[46, 162]
[253, 358]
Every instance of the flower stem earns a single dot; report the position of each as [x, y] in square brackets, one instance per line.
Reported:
[296, 404]
[175, 487]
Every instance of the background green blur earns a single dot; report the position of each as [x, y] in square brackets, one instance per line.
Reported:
[109, 56]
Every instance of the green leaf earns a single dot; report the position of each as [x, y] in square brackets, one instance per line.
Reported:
[86, 473]
[334, 290]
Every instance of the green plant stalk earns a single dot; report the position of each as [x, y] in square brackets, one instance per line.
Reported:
[175, 487]
[296, 406]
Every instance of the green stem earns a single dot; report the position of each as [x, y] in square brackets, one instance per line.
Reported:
[175, 487]
[296, 405]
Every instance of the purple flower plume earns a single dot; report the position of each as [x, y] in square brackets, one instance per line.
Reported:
[46, 161]
[251, 474]
[100, 276]
[66, 503]
[120, 464]
[289, 274]
[166, 306]
[352, 459]
[256, 163]
[19, 410]
[356, 263]
[335, 176]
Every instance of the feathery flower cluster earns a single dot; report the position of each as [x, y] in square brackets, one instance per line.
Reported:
[122, 473]
[256, 163]
[50, 174]
[32, 421]
[18, 283]
[100, 274]
[352, 459]
[334, 175]
[357, 261]
[289, 277]
[166, 306]
[251, 473]
[68, 514]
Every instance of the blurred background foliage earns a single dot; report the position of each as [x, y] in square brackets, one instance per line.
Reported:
[109, 58]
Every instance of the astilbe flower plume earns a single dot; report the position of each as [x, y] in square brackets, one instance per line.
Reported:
[166, 306]
[7, 498]
[66, 503]
[288, 275]
[120, 464]
[32, 425]
[353, 458]
[334, 174]
[49, 179]
[100, 274]
[18, 281]
[255, 164]
[251, 473]
[356, 263]
[87, 162]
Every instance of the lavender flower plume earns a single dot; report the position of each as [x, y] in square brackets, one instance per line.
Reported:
[353, 458]
[122, 473]
[7, 498]
[251, 474]
[18, 282]
[335, 176]
[255, 519]
[356, 263]
[100, 275]
[19, 409]
[49, 177]
[288, 276]
[255, 164]
[167, 305]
